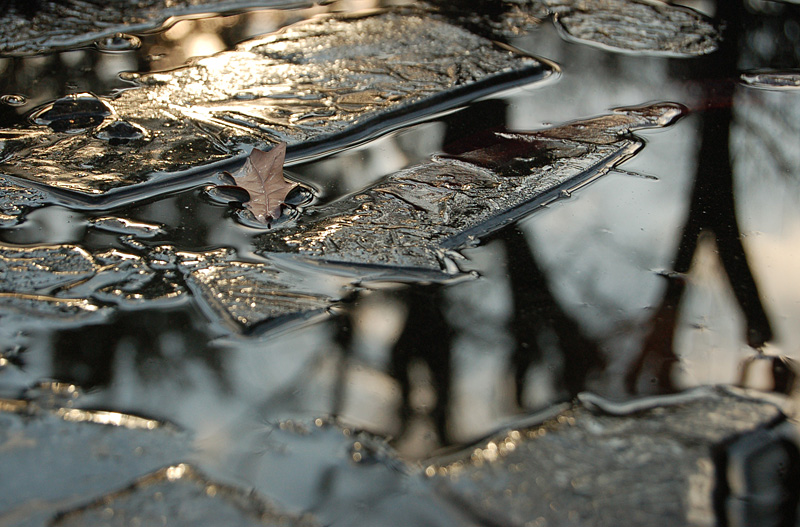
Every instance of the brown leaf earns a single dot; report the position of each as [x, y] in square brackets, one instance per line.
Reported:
[262, 178]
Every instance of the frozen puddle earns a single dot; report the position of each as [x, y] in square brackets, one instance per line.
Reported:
[318, 86]
[409, 225]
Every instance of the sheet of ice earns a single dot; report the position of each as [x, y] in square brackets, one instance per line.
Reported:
[609, 464]
[51, 25]
[54, 458]
[318, 85]
[179, 496]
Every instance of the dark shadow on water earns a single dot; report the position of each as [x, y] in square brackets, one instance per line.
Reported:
[712, 212]
[426, 340]
[159, 344]
[540, 326]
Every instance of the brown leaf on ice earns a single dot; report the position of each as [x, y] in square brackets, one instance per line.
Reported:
[262, 178]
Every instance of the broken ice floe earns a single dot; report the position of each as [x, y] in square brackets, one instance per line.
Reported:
[687, 459]
[318, 85]
[408, 226]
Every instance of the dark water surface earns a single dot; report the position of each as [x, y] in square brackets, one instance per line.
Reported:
[679, 270]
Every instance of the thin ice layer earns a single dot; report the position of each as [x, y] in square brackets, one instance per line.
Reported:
[648, 464]
[60, 279]
[66, 283]
[56, 24]
[311, 85]
[61, 457]
[649, 27]
[342, 476]
[180, 496]
[773, 80]
[247, 295]
[412, 218]
[15, 199]
[638, 26]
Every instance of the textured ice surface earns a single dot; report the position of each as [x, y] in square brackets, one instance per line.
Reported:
[56, 458]
[15, 199]
[56, 24]
[309, 85]
[409, 224]
[31, 277]
[247, 295]
[640, 26]
[649, 27]
[179, 496]
[67, 281]
[607, 464]
[412, 218]
[773, 80]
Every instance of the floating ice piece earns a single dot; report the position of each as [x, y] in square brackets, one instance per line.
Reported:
[67, 282]
[61, 457]
[413, 218]
[773, 80]
[643, 27]
[648, 27]
[248, 295]
[670, 459]
[16, 199]
[317, 86]
[59, 24]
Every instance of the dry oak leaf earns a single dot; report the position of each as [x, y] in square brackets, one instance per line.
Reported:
[262, 178]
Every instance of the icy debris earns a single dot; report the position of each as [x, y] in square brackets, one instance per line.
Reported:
[611, 464]
[311, 85]
[15, 199]
[57, 24]
[55, 458]
[177, 496]
[65, 281]
[413, 218]
[61, 280]
[773, 80]
[247, 296]
[43, 269]
[636, 26]
[643, 27]
[31, 277]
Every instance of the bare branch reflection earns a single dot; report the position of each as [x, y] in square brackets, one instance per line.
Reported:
[540, 325]
[712, 209]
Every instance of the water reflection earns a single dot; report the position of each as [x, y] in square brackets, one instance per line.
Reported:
[711, 211]
[571, 299]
